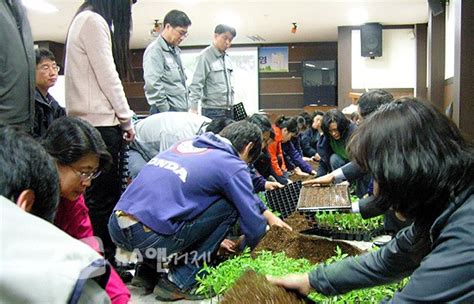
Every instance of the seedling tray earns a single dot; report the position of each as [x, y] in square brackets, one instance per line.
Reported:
[284, 200]
[239, 111]
[333, 197]
[343, 234]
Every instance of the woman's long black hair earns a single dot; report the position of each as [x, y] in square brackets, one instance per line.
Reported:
[343, 124]
[418, 157]
[118, 15]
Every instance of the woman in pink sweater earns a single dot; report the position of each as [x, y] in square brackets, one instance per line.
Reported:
[80, 155]
[96, 61]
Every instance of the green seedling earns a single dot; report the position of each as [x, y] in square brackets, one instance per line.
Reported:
[347, 221]
[216, 280]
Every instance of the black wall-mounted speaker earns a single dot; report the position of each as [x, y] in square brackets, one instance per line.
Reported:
[371, 40]
[436, 6]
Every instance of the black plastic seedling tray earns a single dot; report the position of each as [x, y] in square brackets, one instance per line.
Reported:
[334, 233]
[239, 111]
[284, 200]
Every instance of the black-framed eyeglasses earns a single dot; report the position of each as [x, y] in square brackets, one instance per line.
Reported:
[86, 176]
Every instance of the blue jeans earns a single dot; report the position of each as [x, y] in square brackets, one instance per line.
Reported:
[136, 162]
[214, 113]
[336, 161]
[196, 242]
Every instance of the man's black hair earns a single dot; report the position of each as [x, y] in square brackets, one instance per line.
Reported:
[42, 54]
[240, 134]
[177, 18]
[217, 125]
[372, 100]
[26, 165]
[222, 28]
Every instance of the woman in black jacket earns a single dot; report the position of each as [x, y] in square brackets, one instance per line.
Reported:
[310, 137]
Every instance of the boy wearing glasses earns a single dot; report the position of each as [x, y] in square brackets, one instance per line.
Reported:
[47, 108]
[165, 81]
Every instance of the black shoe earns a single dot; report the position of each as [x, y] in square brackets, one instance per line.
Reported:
[122, 269]
[145, 277]
[166, 291]
[124, 274]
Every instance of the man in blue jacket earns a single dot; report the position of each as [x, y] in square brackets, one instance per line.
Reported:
[185, 200]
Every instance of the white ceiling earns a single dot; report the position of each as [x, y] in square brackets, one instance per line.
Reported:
[270, 19]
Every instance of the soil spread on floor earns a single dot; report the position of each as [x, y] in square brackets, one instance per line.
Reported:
[298, 222]
[253, 288]
[296, 245]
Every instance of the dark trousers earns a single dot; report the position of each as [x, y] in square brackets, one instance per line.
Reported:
[213, 113]
[154, 109]
[104, 192]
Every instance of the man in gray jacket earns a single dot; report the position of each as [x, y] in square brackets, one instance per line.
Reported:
[165, 80]
[212, 80]
[160, 131]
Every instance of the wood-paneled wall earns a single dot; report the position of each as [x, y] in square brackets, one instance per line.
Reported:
[134, 89]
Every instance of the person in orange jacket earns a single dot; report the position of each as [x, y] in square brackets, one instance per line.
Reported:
[285, 128]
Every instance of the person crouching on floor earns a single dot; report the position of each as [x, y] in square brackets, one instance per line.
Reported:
[185, 200]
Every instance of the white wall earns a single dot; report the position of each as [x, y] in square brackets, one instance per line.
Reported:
[449, 42]
[58, 91]
[395, 69]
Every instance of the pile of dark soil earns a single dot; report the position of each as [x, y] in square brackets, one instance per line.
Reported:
[253, 288]
[298, 222]
[296, 245]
